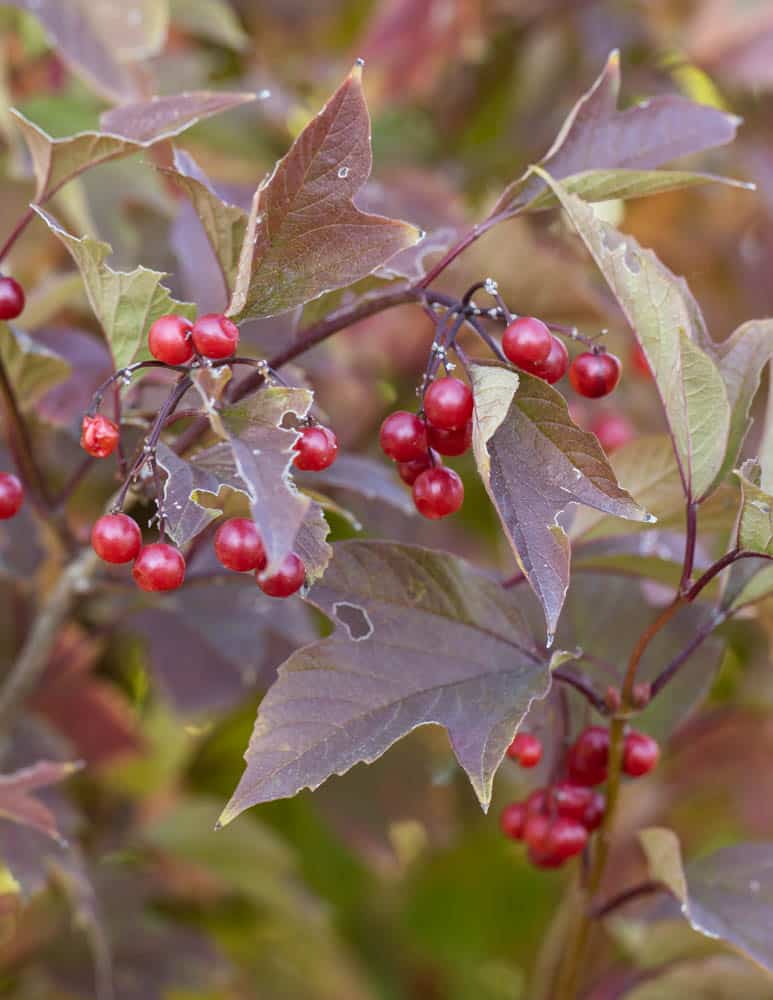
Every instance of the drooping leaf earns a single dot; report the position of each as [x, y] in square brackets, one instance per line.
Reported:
[420, 637]
[534, 462]
[125, 303]
[667, 322]
[19, 803]
[755, 527]
[32, 368]
[184, 518]
[305, 235]
[597, 137]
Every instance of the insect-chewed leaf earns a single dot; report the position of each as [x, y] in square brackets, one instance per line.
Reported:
[184, 517]
[420, 637]
[18, 802]
[305, 234]
[32, 368]
[668, 324]
[125, 303]
[611, 154]
[534, 462]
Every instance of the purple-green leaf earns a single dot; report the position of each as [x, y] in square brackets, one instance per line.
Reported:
[19, 803]
[420, 637]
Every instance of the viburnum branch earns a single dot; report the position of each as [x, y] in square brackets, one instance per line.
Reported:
[584, 686]
[21, 447]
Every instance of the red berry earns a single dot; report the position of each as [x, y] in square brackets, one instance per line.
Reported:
[409, 472]
[594, 814]
[572, 801]
[512, 819]
[541, 858]
[536, 804]
[564, 838]
[595, 375]
[613, 431]
[287, 580]
[11, 298]
[527, 342]
[526, 749]
[535, 830]
[438, 492]
[588, 757]
[554, 367]
[238, 545]
[448, 404]
[11, 495]
[317, 448]
[640, 754]
[116, 538]
[215, 336]
[450, 443]
[639, 361]
[99, 436]
[159, 567]
[169, 340]
[403, 437]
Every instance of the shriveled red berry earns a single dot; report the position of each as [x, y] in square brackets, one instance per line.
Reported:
[12, 298]
[215, 336]
[317, 448]
[526, 749]
[527, 342]
[564, 838]
[640, 754]
[159, 567]
[238, 545]
[595, 375]
[403, 437]
[450, 443]
[639, 362]
[438, 492]
[409, 472]
[287, 580]
[11, 495]
[613, 431]
[116, 538]
[448, 403]
[512, 819]
[169, 340]
[572, 801]
[588, 757]
[553, 368]
[99, 436]
[593, 815]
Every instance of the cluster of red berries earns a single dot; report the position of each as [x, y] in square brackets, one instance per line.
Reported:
[417, 442]
[528, 343]
[556, 822]
[12, 298]
[11, 495]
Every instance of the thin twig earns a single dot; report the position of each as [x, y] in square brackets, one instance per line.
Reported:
[601, 910]
[584, 686]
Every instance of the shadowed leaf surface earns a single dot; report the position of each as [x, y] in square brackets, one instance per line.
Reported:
[19, 803]
[32, 368]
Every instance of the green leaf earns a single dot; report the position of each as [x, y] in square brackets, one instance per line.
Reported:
[125, 303]
[664, 860]
[32, 368]
[305, 235]
[755, 527]
[213, 20]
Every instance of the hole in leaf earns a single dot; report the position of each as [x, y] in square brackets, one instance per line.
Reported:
[354, 619]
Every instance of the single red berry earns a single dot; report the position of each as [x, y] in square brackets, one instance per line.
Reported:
[512, 819]
[11, 495]
[116, 538]
[554, 367]
[99, 436]
[403, 437]
[526, 749]
[594, 814]
[588, 757]
[564, 838]
[613, 431]
[542, 858]
[438, 492]
[527, 342]
[450, 443]
[287, 580]
[640, 754]
[535, 830]
[215, 336]
[572, 801]
[238, 545]
[639, 361]
[169, 340]
[317, 448]
[537, 802]
[409, 472]
[12, 298]
[448, 404]
[159, 567]
[595, 375]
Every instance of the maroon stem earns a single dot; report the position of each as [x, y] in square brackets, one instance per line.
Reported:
[689, 546]
[623, 898]
[584, 686]
[18, 229]
[21, 446]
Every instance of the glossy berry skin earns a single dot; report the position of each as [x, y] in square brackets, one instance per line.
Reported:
[450, 443]
[238, 545]
[159, 567]
[512, 819]
[527, 342]
[448, 404]
[287, 580]
[215, 336]
[640, 754]
[317, 449]
[535, 830]
[116, 538]
[572, 801]
[169, 340]
[565, 838]
[594, 814]
[526, 749]
[438, 492]
[409, 472]
[11, 495]
[403, 437]
[99, 436]
[555, 365]
[613, 431]
[589, 756]
[12, 298]
[537, 802]
[595, 375]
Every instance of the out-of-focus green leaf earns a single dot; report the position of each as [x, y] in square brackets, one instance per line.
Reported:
[214, 20]
[32, 368]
